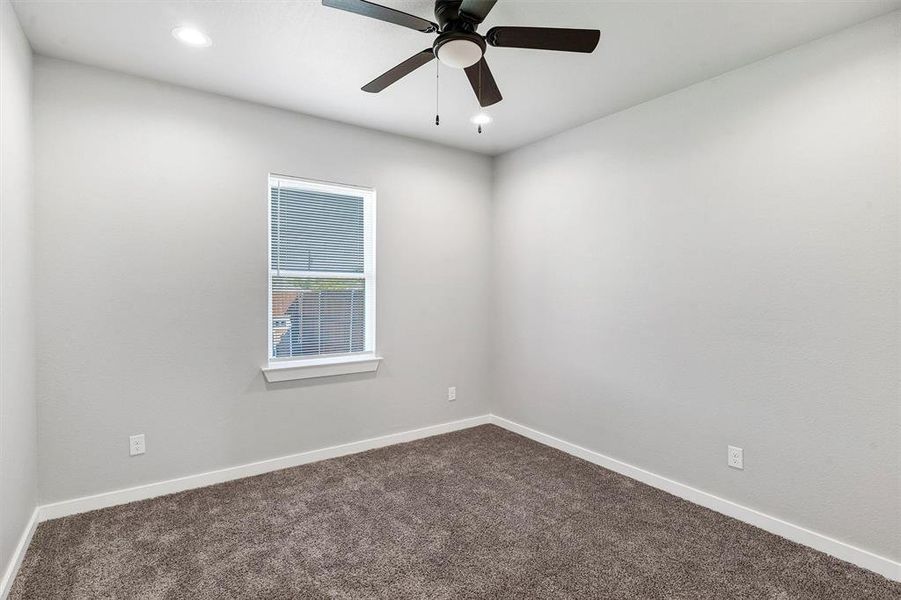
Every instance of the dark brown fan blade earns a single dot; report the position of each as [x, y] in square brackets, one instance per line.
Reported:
[477, 10]
[401, 70]
[483, 83]
[544, 38]
[382, 13]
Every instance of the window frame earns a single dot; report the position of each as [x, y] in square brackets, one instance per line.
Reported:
[294, 367]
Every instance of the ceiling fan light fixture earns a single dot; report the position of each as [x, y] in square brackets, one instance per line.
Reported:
[480, 119]
[459, 45]
[459, 53]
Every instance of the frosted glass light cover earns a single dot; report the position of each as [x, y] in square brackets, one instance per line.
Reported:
[459, 54]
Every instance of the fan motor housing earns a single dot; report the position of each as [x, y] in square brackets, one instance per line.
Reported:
[447, 13]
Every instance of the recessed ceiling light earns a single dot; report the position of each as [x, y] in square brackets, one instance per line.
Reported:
[481, 119]
[192, 37]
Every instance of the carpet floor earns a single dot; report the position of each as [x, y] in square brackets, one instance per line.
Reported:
[479, 513]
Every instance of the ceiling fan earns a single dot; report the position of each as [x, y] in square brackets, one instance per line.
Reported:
[458, 45]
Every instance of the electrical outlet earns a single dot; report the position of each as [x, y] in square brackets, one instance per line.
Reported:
[736, 457]
[451, 393]
[136, 445]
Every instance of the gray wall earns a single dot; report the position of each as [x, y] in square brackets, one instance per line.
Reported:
[152, 281]
[18, 452]
[720, 266]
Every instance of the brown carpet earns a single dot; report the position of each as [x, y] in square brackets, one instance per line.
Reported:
[481, 513]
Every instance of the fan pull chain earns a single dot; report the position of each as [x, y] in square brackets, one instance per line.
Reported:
[437, 69]
[480, 91]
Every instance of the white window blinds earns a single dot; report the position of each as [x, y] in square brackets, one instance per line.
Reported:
[322, 269]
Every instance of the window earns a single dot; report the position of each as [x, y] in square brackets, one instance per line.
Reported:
[321, 278]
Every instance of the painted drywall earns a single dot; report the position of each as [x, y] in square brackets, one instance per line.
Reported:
[18, 434]
[152, 281]
[720, 266]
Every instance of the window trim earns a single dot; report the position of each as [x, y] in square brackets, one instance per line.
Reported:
[290, 368]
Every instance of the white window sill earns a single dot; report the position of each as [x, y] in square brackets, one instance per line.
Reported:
[320, 367]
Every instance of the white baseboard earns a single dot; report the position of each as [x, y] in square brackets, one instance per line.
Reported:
[171, 486]
[862, 558]
[15, 561]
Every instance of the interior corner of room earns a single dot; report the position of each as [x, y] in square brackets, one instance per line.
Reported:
[625, 321]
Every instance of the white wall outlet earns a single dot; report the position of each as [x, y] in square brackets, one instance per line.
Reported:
[452, 393]
[736, 457]
[136, 445]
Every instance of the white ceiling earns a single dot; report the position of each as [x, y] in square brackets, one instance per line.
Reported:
[302, 56]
